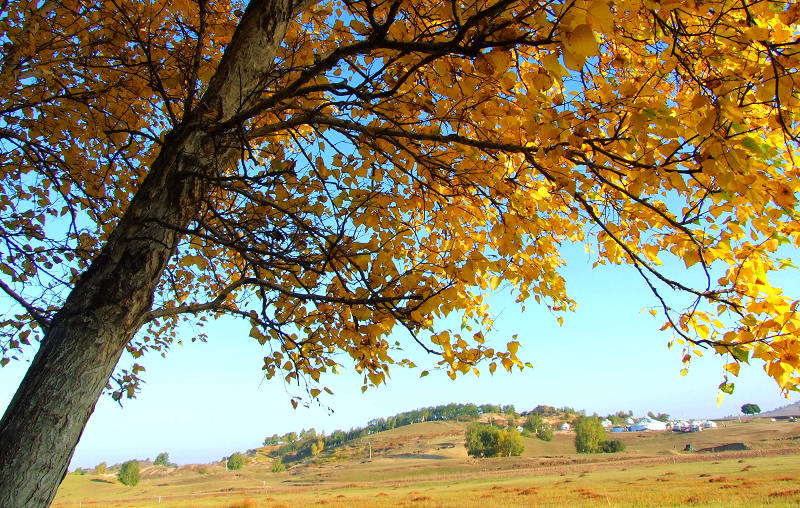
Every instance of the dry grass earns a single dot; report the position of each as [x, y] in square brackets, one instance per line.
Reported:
[635, 478]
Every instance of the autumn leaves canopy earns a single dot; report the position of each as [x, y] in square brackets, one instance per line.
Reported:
[400, 160]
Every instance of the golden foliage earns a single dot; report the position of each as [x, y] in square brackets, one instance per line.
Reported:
[404, 159]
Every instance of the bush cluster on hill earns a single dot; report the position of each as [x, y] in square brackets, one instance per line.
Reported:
[490, 441]
[536, 426]
[590, 437]
[235, 461]
[129, 473]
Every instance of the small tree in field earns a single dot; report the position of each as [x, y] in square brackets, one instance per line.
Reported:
[613, 446]
[536, 426]
[100, 468]
[236, 461]
[751, 409]
[490, 441]
[129, 473]
[589, 435]
[509, 443]
[481, 440]
[162, 459]
[278, 467]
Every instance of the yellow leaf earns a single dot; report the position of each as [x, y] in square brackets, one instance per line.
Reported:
[513, 347]
[574, 61]
[581, 42]
[733, 368]
[691, 257]
[600, 16]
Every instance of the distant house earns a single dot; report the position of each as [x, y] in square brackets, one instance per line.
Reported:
[646, 424]
[607, 424]
[565, 426]
[629, 421]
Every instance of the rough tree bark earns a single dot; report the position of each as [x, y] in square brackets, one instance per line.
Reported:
[112, 299]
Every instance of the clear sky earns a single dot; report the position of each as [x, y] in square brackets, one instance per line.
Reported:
[205, 401]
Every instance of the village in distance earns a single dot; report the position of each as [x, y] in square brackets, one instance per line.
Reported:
[465, 454]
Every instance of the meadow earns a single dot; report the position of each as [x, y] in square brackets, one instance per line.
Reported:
[426, 465]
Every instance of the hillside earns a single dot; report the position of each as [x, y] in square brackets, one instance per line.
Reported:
[789, 410]
[432, 453]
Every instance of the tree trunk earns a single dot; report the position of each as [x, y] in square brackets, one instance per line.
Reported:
[112, 299]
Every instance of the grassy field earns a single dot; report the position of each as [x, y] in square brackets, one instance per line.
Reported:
[426, 465]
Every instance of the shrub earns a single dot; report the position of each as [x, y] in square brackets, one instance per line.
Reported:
[613, 446]
[481, 440]
[510, 443]
[589, 435]
[100, 468]
[235, 461]
[536, 426]
[751, 409]
[545, 432]
[490, 441]
[129, 473]
[162, 459]
[278, 467]
[79, 471]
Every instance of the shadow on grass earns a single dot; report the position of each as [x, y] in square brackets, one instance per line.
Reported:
[98, 480]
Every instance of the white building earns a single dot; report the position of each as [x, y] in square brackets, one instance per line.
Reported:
[648, 424]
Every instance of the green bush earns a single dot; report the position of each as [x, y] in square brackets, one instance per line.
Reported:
[129, 473]
[481, 440]
[79, 471]
[235, 461]
[613, 446]
[162, 459]
[589, 435]
[490, 441]
[545, 432]
[535, 426]
[278, 467]
[100, 468]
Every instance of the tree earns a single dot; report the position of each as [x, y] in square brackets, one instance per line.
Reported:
[589, 435]
[129, 473]
[489, 441]
[277, 466]
[536, 426]
[481, 440]
[662, 417]
[317, 446]
[100, 468]
[751, 409]
[162, 459]
[509, 443]
[235, 461]
[545, 432]
[612, 446]
[333, 172]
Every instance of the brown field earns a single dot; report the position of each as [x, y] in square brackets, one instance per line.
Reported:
[425, 465]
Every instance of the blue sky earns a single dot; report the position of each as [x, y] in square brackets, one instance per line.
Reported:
[205, 401]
